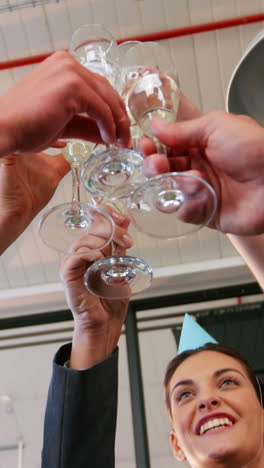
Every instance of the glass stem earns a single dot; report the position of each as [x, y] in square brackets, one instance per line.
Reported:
[136, 135]
[160, 147]
[115, 249]
[110, 146]
[76, 189]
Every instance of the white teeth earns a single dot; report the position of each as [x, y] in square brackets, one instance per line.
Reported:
[213, 423]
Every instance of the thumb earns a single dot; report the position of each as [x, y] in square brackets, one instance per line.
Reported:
[60, 165]
[180, 135]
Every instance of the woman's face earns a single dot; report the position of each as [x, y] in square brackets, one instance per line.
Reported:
[216, 417]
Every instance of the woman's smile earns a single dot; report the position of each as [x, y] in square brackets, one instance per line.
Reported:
[216, 422]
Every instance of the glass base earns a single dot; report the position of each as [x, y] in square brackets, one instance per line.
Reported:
[63, 225]
[113, 173]
[172, 205]
[118, 277]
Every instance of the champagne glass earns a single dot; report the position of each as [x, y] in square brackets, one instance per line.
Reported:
[90, 45]
[112, 173]
[113, 168]
[153, 95]
[118, 276]
[142, 59]
[63, 224]
[171, 205]
[106, 172]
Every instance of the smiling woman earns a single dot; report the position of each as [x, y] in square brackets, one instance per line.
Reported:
[215, 406]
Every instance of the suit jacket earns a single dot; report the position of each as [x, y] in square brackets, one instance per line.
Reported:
[81, 412]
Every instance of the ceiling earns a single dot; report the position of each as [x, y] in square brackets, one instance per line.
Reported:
[28, 269]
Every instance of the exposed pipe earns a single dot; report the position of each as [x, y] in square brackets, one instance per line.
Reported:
[158, 36]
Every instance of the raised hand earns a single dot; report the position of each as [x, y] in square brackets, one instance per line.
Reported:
[46, 105]
[228, 152]
[27, 183]
[98, 322]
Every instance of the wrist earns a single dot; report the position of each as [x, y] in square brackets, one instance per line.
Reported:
[7, 139]
[8, 235]
[89, 347]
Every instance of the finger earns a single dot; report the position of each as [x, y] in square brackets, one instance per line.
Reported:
[113, 104]
[100, 111]
[76, 265]
[89, 243]
[199, 204]
[119, 250]
[122, 222]
[59, 144]
[119, 218]
[180, 163]
[59, 164]
[122, 238]
[84, 128]
[147, 146]
[155, 164]
[117, 106]
[180, 135]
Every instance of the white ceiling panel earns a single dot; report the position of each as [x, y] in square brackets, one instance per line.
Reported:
[13, 34]
[80, 12]
[106, 13]
[36, 30]
[58, 24]
[154, 19]
[177, 14]
[129, 16]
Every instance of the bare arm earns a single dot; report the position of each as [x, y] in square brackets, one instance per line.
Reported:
[251, 249]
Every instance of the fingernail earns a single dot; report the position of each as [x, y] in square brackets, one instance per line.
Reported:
[61, 144]
[106, 137]
[128, 241]
[120, 142]
[149, 168]
[124, 143]
[117, 216]
[158, 123]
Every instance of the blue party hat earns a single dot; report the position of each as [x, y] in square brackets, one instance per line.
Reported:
[193, 335]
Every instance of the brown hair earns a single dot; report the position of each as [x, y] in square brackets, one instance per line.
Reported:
[180, 358]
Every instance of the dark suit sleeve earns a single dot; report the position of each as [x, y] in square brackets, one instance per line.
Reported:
[80, 419]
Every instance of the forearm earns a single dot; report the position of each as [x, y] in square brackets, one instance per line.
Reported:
[7, 140]
[9, 232]
[251, 248]
[81, 413]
